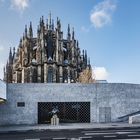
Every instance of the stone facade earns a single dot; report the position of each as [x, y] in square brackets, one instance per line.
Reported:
[47, 58]
[108, 101]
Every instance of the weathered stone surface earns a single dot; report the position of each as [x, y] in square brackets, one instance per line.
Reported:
[121, 99]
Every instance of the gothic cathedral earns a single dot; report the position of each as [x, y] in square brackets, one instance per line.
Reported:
[48, 58]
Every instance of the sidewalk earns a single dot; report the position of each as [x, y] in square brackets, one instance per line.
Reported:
[24, 128]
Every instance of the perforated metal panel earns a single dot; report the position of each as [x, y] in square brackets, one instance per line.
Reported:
[69, 112]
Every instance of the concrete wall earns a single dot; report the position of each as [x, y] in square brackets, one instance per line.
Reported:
[134, 119]
[120, 99]
[2, 90]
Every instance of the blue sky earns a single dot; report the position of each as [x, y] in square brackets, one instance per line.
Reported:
[108, 29]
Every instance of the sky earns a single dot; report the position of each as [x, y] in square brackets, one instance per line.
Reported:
[108, 29]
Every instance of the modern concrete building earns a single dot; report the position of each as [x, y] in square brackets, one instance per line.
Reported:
[2, 91]
[32, 103]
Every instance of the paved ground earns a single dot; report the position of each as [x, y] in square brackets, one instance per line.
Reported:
[132, 133]
[113, 131]
[65, 126]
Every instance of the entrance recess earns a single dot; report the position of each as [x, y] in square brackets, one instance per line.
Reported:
[68, 112]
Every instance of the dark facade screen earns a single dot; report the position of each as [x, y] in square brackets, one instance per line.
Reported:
[68, 112]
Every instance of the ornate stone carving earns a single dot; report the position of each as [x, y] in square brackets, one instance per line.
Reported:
[35, 55]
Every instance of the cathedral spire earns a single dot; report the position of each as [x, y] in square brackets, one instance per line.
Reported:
[47, 24]
[10, 56]
[50, 22]
[57, 20]
[13, 52]
[42, 20]
[83, 55]
[77, 44]
[4, 69]
[20, 42]
[58, 24]
[86, 57]
[68, 32]
[38, 31]
[68, 29]
[73, 33]
[30, 30]
[26, 31]
[10, 53]
[7, 64]
[41, 27]
[88, 61]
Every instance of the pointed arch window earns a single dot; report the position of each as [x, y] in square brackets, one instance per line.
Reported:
[50, 75]
[65, 76]
[34, 78]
